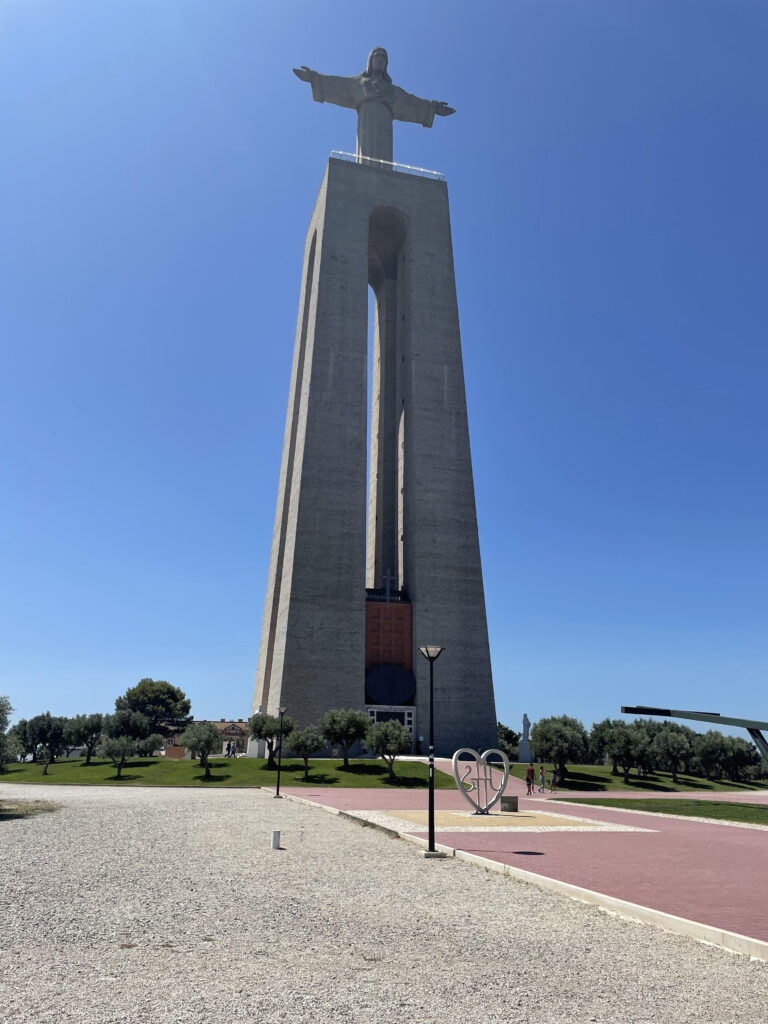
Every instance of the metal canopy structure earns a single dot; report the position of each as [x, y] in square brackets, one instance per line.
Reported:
[753, 728]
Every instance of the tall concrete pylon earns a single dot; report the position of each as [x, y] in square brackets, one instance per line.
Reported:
[347, 609]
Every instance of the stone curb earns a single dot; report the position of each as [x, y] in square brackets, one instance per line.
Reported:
[731, 941]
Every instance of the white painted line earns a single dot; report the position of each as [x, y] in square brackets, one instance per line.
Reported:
[392, 822]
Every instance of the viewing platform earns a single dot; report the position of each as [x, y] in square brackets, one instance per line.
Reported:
[354, 158]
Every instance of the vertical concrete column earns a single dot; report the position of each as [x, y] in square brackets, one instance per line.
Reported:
[442, 552]
[312, 650]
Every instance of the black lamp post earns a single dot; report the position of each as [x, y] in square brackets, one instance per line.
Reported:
[431, 654]
[281, 712]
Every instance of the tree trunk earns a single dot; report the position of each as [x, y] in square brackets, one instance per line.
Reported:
[204, 764]
[625, 769]
[562, 770]
[345, 751]
[615, 769]
[271, 764]
[45, 767]
[390, 765]
[306, 769]
[119, 767]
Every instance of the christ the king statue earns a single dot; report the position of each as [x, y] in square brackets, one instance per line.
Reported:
[377, 101]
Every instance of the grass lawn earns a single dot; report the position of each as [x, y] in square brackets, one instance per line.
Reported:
[755, 814]
[241, 771]
[599, 778]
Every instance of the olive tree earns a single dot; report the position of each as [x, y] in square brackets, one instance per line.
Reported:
[670, 748]
[559, 739]
[387, 740]
[304, 743]
[644, 755]
[267, 727]
[202, 739]
[118, 749]
[50, 732]
[621, 747]
[711, 750]
[739, 756]
[85, 731]
[126, 734]
[26, 734]
[343, 728]
[5, 713]
[35, 732]
[10, 748]
[599, 736]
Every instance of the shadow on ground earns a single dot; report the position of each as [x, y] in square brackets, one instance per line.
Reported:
[295, 772]
[11, 809]
[379, 771]
[654, 783]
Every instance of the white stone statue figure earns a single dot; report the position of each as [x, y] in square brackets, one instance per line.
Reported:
[377, 101]
[525, 756]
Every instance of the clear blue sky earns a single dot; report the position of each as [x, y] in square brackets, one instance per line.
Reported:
[607, 168]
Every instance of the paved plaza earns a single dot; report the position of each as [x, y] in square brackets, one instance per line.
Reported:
[140, 905]
[709, 873]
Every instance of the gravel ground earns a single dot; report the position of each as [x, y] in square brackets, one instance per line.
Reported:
[145, 905]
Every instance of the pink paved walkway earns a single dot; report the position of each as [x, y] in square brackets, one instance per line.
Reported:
[715, 874]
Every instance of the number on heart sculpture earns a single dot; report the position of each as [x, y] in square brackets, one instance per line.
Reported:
[482, 783]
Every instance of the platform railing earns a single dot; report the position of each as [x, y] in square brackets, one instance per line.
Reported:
[373, 161]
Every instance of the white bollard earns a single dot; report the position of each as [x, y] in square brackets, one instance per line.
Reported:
[275, 839]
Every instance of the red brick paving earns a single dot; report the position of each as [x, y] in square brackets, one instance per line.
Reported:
[715, 874]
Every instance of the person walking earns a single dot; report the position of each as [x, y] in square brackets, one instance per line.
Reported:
[542, 779]
[553, 781]
[529, 779]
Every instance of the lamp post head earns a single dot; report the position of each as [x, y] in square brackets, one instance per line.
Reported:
[281, 711]
[432, 653]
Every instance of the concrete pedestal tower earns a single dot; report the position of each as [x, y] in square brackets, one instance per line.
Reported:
[346, 610]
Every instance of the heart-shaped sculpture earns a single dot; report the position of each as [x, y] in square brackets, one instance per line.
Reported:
[482, 783]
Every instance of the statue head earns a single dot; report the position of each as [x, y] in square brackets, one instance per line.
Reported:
[377, 64]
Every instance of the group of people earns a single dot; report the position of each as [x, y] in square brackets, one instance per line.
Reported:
[231, 749]
[530, 780]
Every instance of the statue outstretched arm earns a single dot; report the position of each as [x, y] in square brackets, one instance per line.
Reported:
[344, 92]
[408, 107]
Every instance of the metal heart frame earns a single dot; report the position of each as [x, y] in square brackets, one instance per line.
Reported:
[482, 779]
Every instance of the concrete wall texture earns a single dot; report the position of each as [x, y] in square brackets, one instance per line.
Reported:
[392, 230]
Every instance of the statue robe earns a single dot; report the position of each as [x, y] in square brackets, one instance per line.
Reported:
[378, 103]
